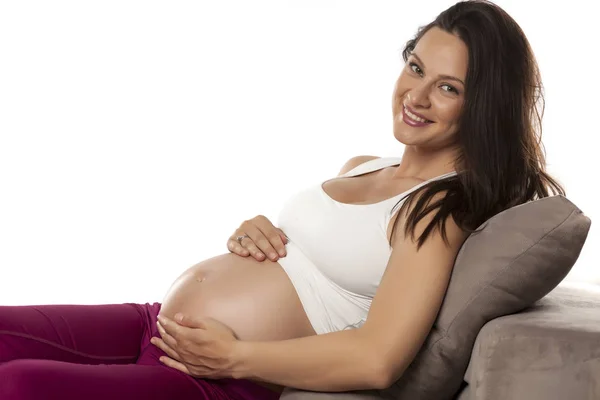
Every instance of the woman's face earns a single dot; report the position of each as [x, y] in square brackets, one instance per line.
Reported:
[422, 87]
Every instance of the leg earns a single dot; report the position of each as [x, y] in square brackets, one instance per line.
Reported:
[86, 334]
[31, 379]
[42, 349]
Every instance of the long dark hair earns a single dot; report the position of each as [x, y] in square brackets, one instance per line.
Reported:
[501, 161]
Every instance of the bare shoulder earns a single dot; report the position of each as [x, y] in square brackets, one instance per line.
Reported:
[355, 162]
[455, 235]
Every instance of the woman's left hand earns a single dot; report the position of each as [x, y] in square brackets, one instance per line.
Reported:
[202, 348]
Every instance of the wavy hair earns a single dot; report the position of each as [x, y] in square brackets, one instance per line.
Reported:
[501, 161]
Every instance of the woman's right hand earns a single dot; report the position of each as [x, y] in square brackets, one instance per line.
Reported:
[264, 238]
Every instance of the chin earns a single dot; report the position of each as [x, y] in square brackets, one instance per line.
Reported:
[405, 134]
[403, 138]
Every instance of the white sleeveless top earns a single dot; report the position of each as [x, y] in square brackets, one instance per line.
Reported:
[338, 252]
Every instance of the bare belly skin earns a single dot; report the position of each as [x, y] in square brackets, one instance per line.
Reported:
[254, 298]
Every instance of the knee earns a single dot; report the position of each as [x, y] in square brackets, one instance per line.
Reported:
[20, 380]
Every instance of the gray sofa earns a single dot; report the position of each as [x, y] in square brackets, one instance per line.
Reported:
[549, 351]
[510, 327]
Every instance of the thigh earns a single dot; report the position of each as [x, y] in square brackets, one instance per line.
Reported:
[48, 379]
[87, 334]
[238, 389]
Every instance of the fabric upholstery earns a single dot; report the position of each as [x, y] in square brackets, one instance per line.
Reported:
[548, 351]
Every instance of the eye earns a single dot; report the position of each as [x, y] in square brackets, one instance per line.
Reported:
[451, 88]
[413, 64]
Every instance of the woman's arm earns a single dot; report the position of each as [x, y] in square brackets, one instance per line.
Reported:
[333, 362]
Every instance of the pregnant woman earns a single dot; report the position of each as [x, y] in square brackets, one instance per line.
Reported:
[354, 291]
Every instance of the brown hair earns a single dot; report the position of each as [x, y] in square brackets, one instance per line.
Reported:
[501, 160]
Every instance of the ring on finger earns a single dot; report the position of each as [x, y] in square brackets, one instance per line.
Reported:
[240, 238]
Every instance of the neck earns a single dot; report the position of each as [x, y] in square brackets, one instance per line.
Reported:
[424, 165]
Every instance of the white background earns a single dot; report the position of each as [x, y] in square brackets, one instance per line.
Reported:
[136, 136]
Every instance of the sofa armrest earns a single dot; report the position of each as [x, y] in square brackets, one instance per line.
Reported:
[548, 351]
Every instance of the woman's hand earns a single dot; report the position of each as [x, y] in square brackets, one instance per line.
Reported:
[264, 238]
[202, 348]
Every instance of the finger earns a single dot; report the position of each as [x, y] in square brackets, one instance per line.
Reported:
[253, 248]
[284, 237]
[169, 362]
[249, 229]
[277, 242]
[235, 247]
[264, 238]
[270, 240]
[248, 242]
[171, 327]
[268, 244]
[182, 334]
[158, 342]
[166, 337]
[260, 244]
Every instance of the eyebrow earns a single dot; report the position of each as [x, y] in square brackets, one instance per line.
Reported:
[441, 76]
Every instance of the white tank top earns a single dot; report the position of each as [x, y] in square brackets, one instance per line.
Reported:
[338, 252]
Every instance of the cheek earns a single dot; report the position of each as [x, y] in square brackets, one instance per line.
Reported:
[402, 83]
[448, 112]
[400, 90]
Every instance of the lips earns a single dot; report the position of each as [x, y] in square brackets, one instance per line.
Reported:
[416, 113]
[412, 122]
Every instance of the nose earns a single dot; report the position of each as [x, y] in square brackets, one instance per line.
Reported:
[418, 97]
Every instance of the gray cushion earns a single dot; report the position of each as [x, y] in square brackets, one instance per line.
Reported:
[520, 256]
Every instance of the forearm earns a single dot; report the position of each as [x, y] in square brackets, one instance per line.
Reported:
[332, 362]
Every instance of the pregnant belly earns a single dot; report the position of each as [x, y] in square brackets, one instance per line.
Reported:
[255, 299]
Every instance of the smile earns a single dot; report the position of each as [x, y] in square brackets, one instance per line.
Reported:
[413, 116]
[412, 120]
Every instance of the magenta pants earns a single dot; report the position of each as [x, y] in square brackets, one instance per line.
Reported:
[95, 352]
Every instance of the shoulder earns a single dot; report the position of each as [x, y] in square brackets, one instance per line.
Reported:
[452, 231]
[355, 162]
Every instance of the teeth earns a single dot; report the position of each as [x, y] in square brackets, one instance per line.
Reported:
[413, 116]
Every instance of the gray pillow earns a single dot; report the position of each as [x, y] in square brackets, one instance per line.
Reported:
[520, 256]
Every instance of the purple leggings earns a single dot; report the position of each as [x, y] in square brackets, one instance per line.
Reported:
[95, 352]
